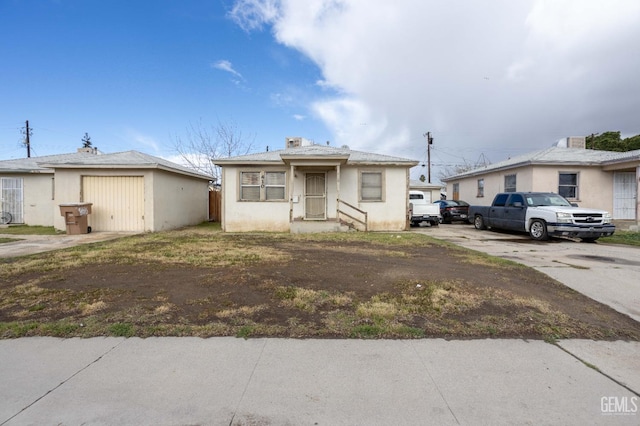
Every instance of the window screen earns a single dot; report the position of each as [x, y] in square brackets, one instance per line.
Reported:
[371, 189]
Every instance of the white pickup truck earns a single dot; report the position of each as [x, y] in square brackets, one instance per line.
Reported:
[420, 210]
[542, 214]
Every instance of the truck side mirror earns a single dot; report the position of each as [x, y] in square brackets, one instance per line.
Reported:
[517, 204]
[574, 205]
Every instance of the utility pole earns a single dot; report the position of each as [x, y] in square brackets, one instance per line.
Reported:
[429, 143]
[27, 142]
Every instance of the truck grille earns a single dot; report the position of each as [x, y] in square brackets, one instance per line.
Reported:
[588, 218]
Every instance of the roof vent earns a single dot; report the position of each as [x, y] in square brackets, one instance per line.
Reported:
[572, 142]
[294, 142]
[576, 142]
[89, 150]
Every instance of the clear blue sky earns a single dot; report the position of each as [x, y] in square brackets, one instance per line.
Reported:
[135, 74]
[489, 79]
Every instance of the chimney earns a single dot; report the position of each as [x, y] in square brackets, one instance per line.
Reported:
[93, 151]
[572, 142]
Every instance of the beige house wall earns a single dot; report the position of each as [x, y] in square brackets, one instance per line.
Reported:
[170, 200]
[68, 188]
[274, 216]
[595, 186]
[244, 216]
[37, 198]
[177, 201]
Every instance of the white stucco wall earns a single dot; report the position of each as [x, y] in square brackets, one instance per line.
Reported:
[177, 201]
[37, 199]
[244, 216]
[273, 216]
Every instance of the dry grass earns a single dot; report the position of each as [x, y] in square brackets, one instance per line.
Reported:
[414, 309]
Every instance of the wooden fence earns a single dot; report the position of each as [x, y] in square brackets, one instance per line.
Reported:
[215, 206]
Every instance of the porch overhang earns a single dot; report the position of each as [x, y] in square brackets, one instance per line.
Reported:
[315, 161]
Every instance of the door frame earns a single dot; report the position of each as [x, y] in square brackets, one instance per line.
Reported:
[322, 197]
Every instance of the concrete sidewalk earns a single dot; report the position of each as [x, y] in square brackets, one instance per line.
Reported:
[224, 381]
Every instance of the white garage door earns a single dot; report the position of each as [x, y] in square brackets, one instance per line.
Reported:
[118, 202]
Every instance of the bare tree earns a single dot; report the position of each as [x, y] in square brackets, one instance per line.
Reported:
[455, 169]
[201, 145]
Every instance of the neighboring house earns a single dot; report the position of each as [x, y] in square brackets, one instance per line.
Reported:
[313, 188]
[595, 179]
[432, 191]
[130, 191]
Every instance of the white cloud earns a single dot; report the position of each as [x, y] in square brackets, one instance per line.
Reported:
[299, 117]
[225, 65]
[253, 14]
[140, 139]
[498, 77]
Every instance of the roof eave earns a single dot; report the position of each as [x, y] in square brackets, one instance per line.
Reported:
[124, 167]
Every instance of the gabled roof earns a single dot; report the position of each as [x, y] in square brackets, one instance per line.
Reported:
[84, 160]
[554, 156]
[315, 152]
[419, 185]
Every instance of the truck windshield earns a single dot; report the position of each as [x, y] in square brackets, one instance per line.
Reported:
[547, 200]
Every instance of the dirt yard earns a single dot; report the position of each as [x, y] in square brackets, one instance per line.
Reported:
[349, 288]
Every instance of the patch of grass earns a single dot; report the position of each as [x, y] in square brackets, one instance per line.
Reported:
[623, 237]
[120, 329]
[15, 329]
[29, 230]
[8, 240]
[245, 331]
[310, 300]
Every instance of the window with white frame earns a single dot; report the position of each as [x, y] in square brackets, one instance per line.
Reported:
[262, 186]
[510, 183]
[274, 185]
[568, 185]
[371, 186]
[480, 188]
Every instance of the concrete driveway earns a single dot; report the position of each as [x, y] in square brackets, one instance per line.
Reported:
[30, 244]
[607, 273]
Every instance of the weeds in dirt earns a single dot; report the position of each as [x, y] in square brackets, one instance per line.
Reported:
[36, 300]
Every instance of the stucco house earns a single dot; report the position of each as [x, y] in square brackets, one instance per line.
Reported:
[313, 188]
[129, 191]
[595, 179]
[432, 191]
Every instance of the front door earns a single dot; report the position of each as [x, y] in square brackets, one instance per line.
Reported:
[624, 195]
[315, 196]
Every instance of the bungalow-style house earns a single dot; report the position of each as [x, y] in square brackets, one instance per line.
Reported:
[595, 179]
[314, 188]
[129, 191]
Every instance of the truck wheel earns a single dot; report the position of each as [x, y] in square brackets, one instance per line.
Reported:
[478, 222]
[538, 230]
